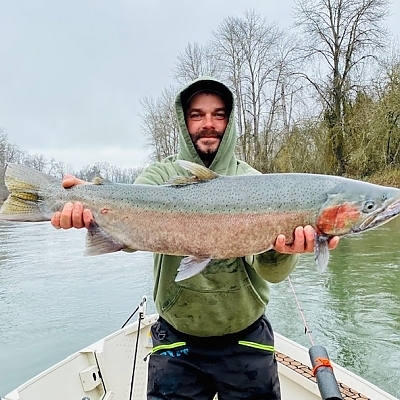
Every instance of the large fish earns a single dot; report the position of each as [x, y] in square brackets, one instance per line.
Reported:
[206, 216]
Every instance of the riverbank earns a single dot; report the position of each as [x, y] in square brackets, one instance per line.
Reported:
[386, 178]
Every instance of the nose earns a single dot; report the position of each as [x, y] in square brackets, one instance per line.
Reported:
[208, 122]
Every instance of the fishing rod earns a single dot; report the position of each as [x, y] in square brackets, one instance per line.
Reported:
[142, 312]
[322, 367]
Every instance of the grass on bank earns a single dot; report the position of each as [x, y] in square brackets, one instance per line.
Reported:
[386, 178]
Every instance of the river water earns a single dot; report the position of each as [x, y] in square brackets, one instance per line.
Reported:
[54, 301]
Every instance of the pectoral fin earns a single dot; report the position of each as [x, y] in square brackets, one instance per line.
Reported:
[98, 242]
[191, 266]
[321, 252]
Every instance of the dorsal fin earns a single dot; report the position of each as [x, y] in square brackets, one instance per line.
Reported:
[200, 172]
[98, 180]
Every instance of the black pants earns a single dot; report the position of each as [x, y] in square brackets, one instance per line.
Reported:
[236, 366]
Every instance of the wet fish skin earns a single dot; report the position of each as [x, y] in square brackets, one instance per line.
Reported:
[206, 216]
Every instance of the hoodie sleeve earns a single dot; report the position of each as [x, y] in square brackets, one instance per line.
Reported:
[157, 174]
[272, 266]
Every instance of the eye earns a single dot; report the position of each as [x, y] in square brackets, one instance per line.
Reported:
[369, 206]
[220, 115]
[195, 116]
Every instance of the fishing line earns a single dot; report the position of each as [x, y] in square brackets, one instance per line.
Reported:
[307, 331]
[322, 368]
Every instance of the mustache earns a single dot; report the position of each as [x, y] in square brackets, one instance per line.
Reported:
[207, 133]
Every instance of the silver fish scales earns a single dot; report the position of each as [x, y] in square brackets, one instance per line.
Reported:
[206, 216]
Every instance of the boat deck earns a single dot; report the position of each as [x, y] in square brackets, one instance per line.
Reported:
[104, 371]
[304, 370]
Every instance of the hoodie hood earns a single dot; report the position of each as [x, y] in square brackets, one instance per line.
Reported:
[225, 161]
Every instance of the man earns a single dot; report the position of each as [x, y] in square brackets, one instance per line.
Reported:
[212, 335]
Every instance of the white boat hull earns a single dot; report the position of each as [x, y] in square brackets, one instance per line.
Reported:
[103, 371]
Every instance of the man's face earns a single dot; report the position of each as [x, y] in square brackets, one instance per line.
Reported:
[206, 121]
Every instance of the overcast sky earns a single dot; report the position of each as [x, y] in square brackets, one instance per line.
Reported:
[72, 73]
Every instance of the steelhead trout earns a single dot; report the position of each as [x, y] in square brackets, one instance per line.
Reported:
[206, 216]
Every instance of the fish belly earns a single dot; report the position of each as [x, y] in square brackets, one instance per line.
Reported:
[216, 236]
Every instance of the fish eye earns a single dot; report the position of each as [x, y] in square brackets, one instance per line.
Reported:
[369, 206]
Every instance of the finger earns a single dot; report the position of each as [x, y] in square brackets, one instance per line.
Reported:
[55, 220]
[333, 242]
[280, 244]
[68, 181]
[66, 216]
[77, 215]
[299, 243]
[87, 217]
[309, 235]
[80, 181]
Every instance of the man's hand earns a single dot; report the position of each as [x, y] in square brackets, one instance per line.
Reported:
[73, 215]
[70, 180]
[304, 241]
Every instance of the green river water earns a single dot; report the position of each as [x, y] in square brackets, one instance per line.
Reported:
[54, 301]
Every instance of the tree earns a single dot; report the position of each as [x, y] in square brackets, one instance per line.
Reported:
[160, 126]
[58, 168]
[195, 61]
[386, 125]
[341, 36]
[36, 161]
[254, 57]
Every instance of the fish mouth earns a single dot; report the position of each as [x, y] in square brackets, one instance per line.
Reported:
[379, 217]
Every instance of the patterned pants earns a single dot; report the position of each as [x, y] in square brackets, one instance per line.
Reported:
[235, 366]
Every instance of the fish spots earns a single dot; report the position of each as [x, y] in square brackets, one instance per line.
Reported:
[338, 220]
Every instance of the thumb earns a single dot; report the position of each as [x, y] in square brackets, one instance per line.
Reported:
[70, 180]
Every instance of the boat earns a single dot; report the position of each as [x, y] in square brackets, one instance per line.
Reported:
[115, 368]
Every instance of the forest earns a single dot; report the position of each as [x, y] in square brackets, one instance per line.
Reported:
[321, 97]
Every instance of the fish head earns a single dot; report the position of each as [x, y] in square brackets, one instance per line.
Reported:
[357, 208]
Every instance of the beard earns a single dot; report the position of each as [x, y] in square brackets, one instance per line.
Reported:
[206, 154]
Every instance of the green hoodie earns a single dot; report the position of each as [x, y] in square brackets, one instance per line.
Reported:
[229, 295]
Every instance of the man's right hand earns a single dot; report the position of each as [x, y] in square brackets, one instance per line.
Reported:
[73, 215]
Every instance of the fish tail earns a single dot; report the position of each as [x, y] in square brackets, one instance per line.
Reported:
[24, 202]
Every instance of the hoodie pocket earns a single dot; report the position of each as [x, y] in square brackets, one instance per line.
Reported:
[214, 303]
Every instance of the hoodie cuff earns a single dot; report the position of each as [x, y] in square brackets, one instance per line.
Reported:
[273, 266]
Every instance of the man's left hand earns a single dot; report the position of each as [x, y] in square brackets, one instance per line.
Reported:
[304, 241]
